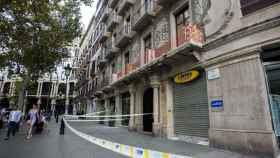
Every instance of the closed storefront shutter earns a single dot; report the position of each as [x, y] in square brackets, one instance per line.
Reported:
[191, 115]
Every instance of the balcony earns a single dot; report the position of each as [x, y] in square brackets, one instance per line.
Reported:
[105, 82]
[111, 50]
[106, 13]
[165, 2]
[129, 68]
[124, 6]
[113, 21]
[101, 60]
[144, 15]
[124, 35]
[105, 34]
[113, 3]
[114, 77]
[190, 34]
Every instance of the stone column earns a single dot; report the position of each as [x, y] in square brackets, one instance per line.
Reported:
[107, 109]
[155, 83]
[75, 109]
[67, 97]
[118, 106]
[170, 109]
[132, 107]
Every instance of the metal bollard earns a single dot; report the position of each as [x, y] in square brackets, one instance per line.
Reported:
[62, 127]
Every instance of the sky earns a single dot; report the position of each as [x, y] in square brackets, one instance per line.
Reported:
[87, 13]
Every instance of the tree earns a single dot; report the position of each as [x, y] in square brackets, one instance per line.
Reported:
[35, 34]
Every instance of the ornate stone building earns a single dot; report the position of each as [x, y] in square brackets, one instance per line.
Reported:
[206, 69]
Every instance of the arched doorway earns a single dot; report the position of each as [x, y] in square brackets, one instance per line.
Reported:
[148, 109]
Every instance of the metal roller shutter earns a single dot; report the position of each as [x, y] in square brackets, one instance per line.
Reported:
[191, 115]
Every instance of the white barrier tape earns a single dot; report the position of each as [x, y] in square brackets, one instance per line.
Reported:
[93, 113]
[106, 116]
[107, 120]
[127, 150]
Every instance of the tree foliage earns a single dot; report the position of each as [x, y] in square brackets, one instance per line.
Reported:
[35, 33]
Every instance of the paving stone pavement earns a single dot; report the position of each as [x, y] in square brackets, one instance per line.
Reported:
[51, 145]
[123, 136]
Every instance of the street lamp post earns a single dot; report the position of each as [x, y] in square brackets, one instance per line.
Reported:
[67, 74]
[1, 84]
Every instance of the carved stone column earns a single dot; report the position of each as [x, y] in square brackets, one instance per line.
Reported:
[107, 109]
[132, 91]
[118, 106]
[155, 83]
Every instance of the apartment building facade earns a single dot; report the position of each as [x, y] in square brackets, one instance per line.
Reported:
[205, 69]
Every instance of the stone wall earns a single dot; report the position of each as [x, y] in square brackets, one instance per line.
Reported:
[244, 123]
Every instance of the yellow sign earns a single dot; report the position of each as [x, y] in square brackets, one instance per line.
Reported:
[186, 76]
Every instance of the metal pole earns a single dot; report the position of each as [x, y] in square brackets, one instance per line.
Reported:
[67, 97]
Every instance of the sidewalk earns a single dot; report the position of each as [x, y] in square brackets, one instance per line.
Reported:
[51, 145]
[123, 136]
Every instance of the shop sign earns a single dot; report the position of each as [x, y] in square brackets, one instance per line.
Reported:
[186, 76]
[213, 74]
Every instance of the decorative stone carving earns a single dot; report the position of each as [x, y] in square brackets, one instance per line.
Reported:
[218, 18]
[199, 10]
[161, 33]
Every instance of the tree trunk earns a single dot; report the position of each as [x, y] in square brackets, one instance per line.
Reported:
[22, 91]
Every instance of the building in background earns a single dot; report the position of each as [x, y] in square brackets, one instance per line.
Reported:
[52, 91]
[205, 69]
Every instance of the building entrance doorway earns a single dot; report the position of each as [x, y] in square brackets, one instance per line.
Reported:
[148, 109]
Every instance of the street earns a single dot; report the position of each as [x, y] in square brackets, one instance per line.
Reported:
[51, 145]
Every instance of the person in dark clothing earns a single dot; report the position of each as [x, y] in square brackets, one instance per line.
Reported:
[13, 123]
[40, 123]
[56, 115]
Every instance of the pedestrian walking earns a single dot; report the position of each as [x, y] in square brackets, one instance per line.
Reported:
[32, 120]
[2, 115]
[13, 122]
[40, 123]
[56, 114]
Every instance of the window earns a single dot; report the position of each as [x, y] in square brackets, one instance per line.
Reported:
[182, 20]
[127, 25]
[148, 42]
[126, 58]
[147, 47]
[113, 67]
[249, 6]
[114, 38]
[148, 5]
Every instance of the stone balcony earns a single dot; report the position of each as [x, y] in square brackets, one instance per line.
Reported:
[111, 50]
[101, 60]
[105, 33]
[190, 38]
[144, 15]
[124, 35]
[165, 2]
[124, 6]
[113, 21]
[106, 13]
[113, 3]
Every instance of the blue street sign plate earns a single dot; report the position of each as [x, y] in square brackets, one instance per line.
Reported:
[217, 104]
